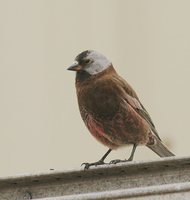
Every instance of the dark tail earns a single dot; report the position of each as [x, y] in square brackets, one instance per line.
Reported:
[160, 149]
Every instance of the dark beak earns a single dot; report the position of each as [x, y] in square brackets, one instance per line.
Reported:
[75, 67]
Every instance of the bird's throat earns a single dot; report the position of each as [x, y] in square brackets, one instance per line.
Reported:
[82, 76]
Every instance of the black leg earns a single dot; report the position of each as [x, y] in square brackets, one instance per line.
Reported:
[132, 153]
[129, 159]
[100, 162]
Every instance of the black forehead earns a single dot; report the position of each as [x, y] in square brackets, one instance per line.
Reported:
[82, 55]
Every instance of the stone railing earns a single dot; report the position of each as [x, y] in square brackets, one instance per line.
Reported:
[167, 178]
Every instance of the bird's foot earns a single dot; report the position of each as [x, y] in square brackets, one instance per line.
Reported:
[117, 161]
[87, 165]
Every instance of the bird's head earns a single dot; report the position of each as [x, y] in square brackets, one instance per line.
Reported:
[91, 62]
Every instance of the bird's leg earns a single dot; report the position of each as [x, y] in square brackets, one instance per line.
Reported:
[132, 153]
[126, 160]
[100, 162]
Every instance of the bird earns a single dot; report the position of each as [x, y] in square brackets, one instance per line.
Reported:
[111, 109]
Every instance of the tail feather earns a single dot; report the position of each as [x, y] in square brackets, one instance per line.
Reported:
[160, 149]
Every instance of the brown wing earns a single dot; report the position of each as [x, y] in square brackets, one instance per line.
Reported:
[132, 98]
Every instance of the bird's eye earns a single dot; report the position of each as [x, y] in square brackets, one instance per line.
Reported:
[87, 61]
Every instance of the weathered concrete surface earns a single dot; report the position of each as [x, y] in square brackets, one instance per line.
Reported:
[162, 179]
[172, 191]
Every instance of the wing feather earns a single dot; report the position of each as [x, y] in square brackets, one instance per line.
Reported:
[132, 98]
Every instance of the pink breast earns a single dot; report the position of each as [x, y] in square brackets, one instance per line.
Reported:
[98, 132]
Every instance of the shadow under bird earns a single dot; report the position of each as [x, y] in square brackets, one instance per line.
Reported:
[110, 108]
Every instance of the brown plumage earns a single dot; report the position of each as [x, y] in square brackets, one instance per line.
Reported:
[111, 109]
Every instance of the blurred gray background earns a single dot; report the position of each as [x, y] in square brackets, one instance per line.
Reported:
[147, 41]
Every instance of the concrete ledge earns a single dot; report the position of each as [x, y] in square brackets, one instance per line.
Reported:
[169, 176]
[152, 192]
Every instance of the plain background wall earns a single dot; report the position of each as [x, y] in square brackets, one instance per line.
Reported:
[147, 41]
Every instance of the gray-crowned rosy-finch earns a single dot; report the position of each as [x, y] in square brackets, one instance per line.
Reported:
[111, 109]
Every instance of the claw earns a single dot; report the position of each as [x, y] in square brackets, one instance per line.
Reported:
[117, 161]
[87, 165]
